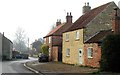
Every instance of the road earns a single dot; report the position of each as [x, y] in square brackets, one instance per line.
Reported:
[16, 66]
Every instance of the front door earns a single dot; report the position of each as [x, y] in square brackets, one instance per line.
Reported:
[80, 55]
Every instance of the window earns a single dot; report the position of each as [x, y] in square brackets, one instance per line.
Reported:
[67, 52]
[49, 39]
[44, 40]
[90, 52]
[77, 34]
[67, 36]
[49, 51]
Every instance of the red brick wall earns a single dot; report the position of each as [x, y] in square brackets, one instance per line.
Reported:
[56, 43]
[50, 46]
[93, 62]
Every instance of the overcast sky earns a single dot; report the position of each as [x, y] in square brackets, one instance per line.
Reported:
[37, 16]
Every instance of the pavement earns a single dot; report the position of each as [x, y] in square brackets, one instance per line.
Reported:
[54, 68]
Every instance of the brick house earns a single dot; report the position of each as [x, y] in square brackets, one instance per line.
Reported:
[92, 48]
[76, 47]
[94, 43]
[54, 38]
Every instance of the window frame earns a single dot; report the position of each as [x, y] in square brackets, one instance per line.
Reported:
[67, 52]
[66, 37]
[77, 35]
[90, 52]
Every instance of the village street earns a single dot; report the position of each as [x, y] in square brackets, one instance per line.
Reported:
[16, 66]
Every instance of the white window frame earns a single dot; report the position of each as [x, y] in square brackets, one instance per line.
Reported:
[90, 52]
[67, 37]
[44, 40]
[49, 40]
[67, 52]
[77, 35]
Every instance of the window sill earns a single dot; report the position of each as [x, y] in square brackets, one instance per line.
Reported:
[67, 40]
[90, 57]
[67, 55]
[77, 39]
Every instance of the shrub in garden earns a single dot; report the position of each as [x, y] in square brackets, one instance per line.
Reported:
[110, 59]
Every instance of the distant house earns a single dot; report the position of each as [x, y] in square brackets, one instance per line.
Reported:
[76, 47]
[36, 46]
[54, 38]
[6, 47]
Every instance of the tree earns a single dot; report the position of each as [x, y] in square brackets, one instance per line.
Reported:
[45, 49]
[110, 60]
[20, 40]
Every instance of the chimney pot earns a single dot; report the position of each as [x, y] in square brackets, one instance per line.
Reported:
[67, 14]
[58, 22]
[70, 13]
[69, 18]
[87, 3]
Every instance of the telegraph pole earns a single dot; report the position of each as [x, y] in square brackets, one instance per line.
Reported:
[28, 44]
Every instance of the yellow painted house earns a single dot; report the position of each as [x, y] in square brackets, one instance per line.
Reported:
[82, 30]
[72, 46]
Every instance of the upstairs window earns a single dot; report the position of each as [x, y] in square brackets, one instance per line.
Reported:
[67, 52]
[49, 39]
[90, 52]
[67, 37]
[44, 40]
[77, 35]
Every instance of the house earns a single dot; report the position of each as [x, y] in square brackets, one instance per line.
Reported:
[54, 38]
[93, 22]
[6, 47]
[0, 46]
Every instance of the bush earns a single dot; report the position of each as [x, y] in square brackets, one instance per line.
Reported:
[110, 59]
[45, 49]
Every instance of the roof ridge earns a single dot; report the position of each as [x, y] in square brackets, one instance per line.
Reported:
[83, 20]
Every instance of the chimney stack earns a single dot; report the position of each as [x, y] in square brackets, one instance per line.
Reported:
[58, 22]
[116, 22]
[69, 18]
[86, 8]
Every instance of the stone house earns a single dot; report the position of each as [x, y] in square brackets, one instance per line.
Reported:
[54, 38]
[76, 47]
[6, 47]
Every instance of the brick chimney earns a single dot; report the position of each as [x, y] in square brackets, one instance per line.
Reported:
[116, 22]
[58, 22]
[69, 18]
[86, 8]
